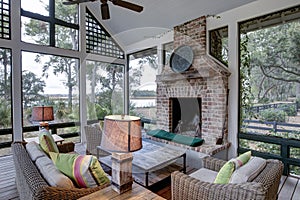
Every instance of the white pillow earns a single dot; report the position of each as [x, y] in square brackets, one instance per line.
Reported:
[249, 171]
[34, 150]
[52, 175]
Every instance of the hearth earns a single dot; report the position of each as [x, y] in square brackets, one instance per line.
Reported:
[186, 116]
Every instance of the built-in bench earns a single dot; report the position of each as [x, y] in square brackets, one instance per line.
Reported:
[177, 138]
[196, 147]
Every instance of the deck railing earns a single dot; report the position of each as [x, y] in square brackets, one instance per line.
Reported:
[53, 127]
[274, 135]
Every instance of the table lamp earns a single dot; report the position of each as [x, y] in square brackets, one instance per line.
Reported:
[121, 136]
[42, 114]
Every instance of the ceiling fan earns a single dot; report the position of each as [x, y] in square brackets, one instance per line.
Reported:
[105, 8]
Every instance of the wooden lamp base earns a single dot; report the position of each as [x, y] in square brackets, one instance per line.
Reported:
[121, 172]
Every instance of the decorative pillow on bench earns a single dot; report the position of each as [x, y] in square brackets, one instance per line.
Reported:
[181, 139]
[84, 170]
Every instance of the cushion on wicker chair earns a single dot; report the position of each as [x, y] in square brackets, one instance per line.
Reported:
[249, 171]
[84, 170]
[51, 174]
[34, 150]
[205, 175]
[47, 142]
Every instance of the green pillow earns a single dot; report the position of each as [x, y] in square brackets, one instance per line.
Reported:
[242, 159]
[84, 170]
[224, 175]
[47, 142]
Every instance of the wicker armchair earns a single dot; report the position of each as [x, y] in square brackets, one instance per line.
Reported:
[93, 135]
[264, 186]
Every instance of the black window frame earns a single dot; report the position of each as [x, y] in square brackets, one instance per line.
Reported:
[52, 22]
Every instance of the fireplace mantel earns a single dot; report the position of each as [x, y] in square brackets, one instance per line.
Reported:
[204, 67]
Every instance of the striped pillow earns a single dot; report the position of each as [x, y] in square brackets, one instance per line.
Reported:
[47, 142]
[84, 170]
[241, 160]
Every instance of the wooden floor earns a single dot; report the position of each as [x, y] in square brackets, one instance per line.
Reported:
[289, 186]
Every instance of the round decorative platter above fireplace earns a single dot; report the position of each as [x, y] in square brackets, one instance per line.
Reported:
[181, 59]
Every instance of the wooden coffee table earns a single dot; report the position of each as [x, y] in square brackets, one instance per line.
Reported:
[154, 158]
[137, 192]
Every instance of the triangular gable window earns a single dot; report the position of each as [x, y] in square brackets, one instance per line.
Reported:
[99, 41]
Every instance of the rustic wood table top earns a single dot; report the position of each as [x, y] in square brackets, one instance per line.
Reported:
[137, 192]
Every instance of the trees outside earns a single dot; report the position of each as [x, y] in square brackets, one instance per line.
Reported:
[275, 60]
[270, 84]
[5, 88]
[32, 87]
[105, 89]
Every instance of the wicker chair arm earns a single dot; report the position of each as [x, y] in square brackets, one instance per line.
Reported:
[66, 147]
[49, 193]
[212, 163]
[185, 187]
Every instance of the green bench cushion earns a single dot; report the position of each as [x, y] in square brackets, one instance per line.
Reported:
[181, 139]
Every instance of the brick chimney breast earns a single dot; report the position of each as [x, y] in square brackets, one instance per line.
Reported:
[206, 79]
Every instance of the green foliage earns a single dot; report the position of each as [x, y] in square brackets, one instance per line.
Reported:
[32, 87]
[5, 113]
[61, 110]
[273, 115]
[245, 86]
[39, 31]
[274, 61]
[101, 112]
[289, 109]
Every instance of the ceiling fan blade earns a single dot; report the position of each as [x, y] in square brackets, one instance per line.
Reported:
[71, 2]
[105, 11]
[128, 5]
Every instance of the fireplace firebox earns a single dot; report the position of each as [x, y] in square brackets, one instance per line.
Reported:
[186, 116]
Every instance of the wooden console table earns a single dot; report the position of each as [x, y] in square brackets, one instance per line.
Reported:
[137, 192]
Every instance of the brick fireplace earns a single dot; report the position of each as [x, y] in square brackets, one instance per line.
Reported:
[206, 79]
